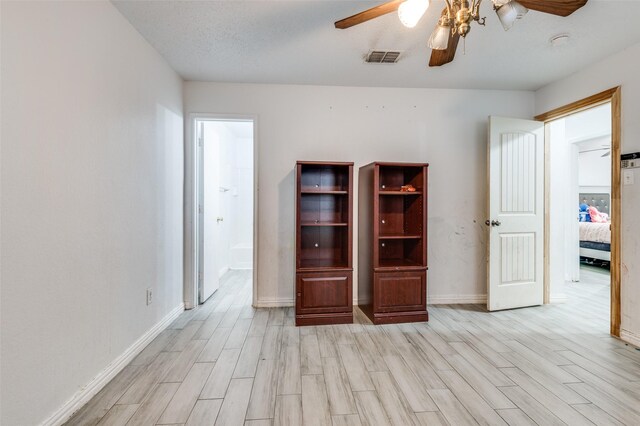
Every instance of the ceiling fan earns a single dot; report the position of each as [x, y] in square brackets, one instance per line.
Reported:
[456, 18]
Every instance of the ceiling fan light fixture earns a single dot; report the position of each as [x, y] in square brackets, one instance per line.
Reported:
[411, 11]
[457, 17]
[439, 39]
[519, 8]
[509, 12]
[507, 16]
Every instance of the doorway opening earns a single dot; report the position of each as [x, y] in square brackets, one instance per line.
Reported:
[580, 210]
[224, 208]
[605, 141]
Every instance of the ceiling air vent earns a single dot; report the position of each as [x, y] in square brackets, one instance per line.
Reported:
[382, 57]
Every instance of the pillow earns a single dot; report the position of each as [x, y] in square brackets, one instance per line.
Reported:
[596, 216]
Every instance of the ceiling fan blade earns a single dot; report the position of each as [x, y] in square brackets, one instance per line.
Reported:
[369, 14]
[441, 57]
[554, 7]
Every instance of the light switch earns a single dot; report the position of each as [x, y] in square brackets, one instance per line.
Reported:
[627, 177]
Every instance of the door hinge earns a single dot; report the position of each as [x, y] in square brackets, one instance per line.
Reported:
[200, 209]
[200, 141]
[200, 276]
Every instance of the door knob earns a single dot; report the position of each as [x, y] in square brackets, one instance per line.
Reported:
[496, 223]
[220, 219]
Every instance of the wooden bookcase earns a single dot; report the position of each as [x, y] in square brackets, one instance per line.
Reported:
[392, 240]
[324, 241]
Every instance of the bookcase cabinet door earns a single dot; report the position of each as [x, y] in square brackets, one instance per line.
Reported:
[325, 292]
[400, 291]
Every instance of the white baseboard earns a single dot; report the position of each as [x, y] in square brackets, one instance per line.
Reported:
[448, 299]
[242, 267]
[456, 299]
[274, 303]
[631, 338]
[97, 383]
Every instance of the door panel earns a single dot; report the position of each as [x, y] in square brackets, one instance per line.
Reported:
[209, 278]
[323, 292]
[399, 291]
[516, 213]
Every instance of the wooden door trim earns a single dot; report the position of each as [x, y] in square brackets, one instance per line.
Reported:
[612, 96]
[581, 105]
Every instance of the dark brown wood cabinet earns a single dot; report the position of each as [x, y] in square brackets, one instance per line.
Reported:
[324, 241]
[392, 241]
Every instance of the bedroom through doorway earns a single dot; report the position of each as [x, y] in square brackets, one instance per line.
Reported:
[580, 163]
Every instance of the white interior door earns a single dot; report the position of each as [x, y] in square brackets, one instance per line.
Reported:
[516, 213]
[209, 280]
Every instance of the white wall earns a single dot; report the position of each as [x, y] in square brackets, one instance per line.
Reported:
[447, 128]
[559, 206]
[619, 69]
[594, 171]
[92, 172]
[591, 130]
[242, 204]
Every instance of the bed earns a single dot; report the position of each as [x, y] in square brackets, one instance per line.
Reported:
[595, 238]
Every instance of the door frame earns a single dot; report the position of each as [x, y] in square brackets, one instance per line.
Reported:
[191, 223]
[612, 96]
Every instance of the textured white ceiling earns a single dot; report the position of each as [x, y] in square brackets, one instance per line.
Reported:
[294, 42]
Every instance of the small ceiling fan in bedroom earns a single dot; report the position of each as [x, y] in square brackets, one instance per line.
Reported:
[456, 18]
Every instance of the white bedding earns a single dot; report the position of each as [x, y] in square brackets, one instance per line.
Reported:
[595, 232]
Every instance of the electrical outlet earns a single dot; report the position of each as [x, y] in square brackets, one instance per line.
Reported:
[149, 296]
[627, 177]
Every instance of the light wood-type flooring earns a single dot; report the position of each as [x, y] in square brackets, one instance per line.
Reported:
[226, 363]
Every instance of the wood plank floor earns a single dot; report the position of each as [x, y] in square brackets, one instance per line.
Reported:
[226, 363]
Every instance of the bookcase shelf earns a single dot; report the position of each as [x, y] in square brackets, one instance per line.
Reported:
[324, 240]
[320, 192]
[325, 224]
[398, 192]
